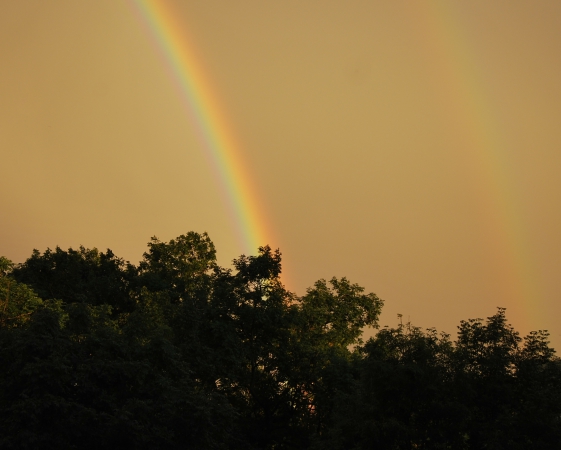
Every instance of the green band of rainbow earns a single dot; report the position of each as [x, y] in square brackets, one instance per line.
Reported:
[213, 129]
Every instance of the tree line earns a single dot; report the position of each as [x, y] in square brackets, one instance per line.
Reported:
[178, 352]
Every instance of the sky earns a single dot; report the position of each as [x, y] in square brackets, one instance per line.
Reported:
[411, 146]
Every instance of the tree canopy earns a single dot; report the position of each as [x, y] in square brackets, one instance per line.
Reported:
[178, 352]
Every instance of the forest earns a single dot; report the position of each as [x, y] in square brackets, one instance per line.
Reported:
[179, 352]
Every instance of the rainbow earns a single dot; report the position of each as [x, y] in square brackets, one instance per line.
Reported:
[458, 74]
[469, 101]
[214, 132]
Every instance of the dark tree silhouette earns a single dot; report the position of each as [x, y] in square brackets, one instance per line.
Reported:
[179, 352]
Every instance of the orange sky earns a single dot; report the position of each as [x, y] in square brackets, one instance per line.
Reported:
[413, 147]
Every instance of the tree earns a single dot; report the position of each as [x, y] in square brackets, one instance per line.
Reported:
[180, 352]
[506, 387]
[418, 389]
[79, 276]
[73, 378]
[399, 398]
[182, 265]
[17, 301]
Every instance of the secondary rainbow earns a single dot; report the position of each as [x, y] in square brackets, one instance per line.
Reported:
[201, 104]
[460, 75]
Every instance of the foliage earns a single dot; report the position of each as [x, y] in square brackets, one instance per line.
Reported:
[418, 389]
[179, 352]
[17, 301]
[79, 276]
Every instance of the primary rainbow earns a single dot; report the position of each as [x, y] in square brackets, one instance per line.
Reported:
[460, 75]
[215, 133]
